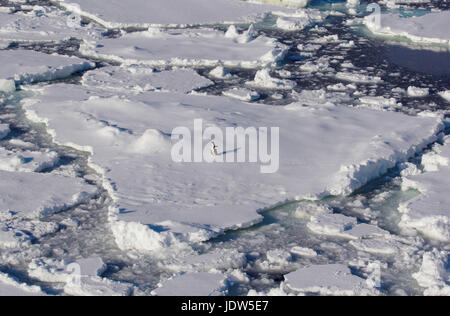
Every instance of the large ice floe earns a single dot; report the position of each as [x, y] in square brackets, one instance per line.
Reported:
[29, 66]
[429, 212]
[202, 47]
[429, 28]
[160, 203]
[143, 13]
[43, 24]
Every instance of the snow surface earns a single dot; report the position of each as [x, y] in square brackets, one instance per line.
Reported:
[144, 13]
[30, 66]
[429, 213]
[139, 79]
[333, 279]
[193, 284]
[32, 195]
[202, 47]
[430, 28]
[191, 202]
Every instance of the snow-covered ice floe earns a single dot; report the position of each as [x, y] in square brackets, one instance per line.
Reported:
[332, 279]
[11, 287]
[139, 79]
[429, 28]
[264, 80]
[242, 94]
[81, 277]
[291, 3]
[180, 13]
[25, 66]
[202, 47]
[33, 195]
[206, 284]
[43, 24]
[429, 213]
[27, 161]
[298, 20]
[160, 203]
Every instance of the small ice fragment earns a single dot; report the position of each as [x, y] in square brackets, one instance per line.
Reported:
[416, 92]
[264, 80]
[4, 130]
[220, 73]
[304, 252]
[242, 94]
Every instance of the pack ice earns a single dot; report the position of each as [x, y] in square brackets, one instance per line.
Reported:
[143, 13]
[160, 203]
[430, 28]
[23, 66]
[202, 47]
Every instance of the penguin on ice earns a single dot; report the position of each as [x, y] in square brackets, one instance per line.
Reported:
[214, 149]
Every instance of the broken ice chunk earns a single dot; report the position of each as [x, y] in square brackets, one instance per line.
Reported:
[433, 275]
[4, 130]
[242, 94]
[264, 80]
[7, 86]
[416, 92]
